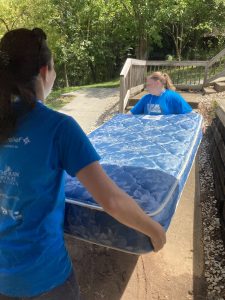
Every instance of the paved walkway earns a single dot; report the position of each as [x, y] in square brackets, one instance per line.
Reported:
[175, 273]
[90, 106]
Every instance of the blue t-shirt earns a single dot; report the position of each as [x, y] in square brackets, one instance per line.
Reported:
[33, 257]
[169, 102]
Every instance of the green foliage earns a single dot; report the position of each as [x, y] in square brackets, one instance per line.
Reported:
[187, 22]
[91, 39]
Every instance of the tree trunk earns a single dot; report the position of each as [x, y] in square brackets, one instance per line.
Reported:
[174, 32]
[178, 49]
[93, 71]
[65, 75]
[142, 48]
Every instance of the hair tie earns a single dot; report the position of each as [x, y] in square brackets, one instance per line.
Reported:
[39, 34]
[4, 59]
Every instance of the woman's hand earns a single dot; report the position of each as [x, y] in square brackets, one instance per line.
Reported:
[157, 236]
[119, 204]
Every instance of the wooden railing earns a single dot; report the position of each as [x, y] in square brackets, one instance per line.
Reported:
[215, 68]
[132, 78]
[184, 74]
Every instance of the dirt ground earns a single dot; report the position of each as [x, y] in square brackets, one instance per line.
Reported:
[175, 273]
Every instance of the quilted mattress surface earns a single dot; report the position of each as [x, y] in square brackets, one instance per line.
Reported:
[150, 158]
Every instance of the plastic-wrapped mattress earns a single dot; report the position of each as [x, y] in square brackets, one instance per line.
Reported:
[150, 158]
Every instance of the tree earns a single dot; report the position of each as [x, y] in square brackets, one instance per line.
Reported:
[142, 16]
[12, 14]
[185, 20]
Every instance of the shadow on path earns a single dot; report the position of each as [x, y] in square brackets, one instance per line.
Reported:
[102, 273]
[199, 282]
[100, 93]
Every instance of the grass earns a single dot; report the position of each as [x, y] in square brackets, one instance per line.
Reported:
[55, 100]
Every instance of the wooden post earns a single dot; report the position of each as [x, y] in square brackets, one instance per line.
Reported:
[205, 75]
[122, 94]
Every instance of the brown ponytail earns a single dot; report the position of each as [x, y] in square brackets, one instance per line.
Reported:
[165, 79]
[22, 53]
[169, 84]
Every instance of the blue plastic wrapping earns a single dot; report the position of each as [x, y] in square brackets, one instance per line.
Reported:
[150, 158]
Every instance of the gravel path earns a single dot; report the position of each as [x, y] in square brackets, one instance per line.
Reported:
[214, 250]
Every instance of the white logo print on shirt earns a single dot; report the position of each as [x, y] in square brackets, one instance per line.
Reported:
[7, 176]
[15, 142]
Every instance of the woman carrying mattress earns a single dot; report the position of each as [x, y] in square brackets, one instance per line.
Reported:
[162, 98]
[37, 146]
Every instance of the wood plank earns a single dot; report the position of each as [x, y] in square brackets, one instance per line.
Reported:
[220, 127]
[197, 87]
[191, 98]
[138, 96]
[122, 93]
[138, 62]
[219, 167]
[219, 142]
[220, 196]
[220, 111]
[137, 89]
[217, 76]
[209, 90]
[124, 103]
[219, 86]
[126, 67]
[215, 58]
[177, 63]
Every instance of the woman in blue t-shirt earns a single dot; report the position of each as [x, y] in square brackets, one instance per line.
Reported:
[37, 146]
[162, 98]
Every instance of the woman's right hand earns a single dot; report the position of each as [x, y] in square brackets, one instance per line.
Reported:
[120, 205]
[157, 236]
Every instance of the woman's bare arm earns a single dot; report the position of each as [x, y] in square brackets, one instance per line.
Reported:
[120, 205]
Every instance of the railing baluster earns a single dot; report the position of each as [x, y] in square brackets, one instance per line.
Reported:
[191, 78]
[178, 75]
[200, 75]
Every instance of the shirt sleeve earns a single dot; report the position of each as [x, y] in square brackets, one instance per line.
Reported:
[180, 106]
[138, 109]
[75, 148]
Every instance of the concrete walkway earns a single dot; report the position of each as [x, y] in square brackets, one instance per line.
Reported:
[90, 106]
[175, 273]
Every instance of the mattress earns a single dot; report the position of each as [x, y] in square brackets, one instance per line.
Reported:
[150, 158]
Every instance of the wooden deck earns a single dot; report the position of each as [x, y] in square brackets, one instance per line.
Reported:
[191, 97]
[186, 75]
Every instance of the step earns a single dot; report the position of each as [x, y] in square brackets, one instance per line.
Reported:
[209, 90]
[135, 98]
[219, 86]
[219, 79]
[138, 96]
[191, 98]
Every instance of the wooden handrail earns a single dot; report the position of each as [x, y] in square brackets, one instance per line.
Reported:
[215, 58]
[129, 80]
[177, 63]
[210, 64]
[126, 67]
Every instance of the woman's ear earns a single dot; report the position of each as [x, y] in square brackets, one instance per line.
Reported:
[44, 72]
